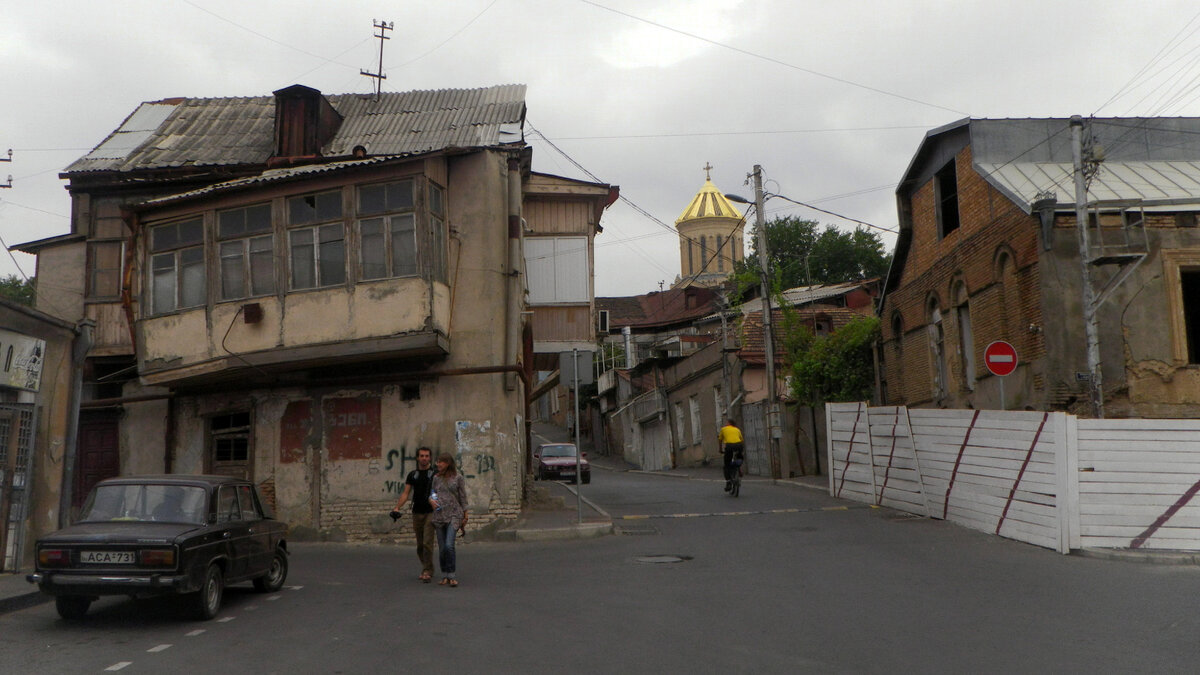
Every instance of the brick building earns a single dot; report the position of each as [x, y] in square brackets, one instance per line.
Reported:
[989, 250]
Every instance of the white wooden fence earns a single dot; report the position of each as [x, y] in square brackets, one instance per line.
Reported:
[1048, 479]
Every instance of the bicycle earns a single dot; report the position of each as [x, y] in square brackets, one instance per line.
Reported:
[735, 481]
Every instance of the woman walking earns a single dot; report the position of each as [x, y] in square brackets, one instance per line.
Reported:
[449, 501]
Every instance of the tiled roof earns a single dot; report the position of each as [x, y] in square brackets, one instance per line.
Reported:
[752, 344]
[659, 309]
[239, 131]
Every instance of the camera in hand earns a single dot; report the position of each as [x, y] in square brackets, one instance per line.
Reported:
[395, 515]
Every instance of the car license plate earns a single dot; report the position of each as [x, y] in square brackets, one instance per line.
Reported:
[566, 473]
[107, 557]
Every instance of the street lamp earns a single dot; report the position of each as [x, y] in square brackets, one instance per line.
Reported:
[773, 430]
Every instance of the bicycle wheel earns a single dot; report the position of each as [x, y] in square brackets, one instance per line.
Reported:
[737, 486]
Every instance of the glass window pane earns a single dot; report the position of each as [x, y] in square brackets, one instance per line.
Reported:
[262, 265]
[258, 218]
[191, 232]
[232, 271]
[302, 210]
[374, 252]
[437, 249]
[371, 199]
[329, 206]
[435, 200]
[164, 237]
[191, 277]
[399, 195]
[231, 223]
[404, 246]
[303, 259]
[332, 255]
[162, 283]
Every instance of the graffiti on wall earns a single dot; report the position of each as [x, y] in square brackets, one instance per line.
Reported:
[399, 462]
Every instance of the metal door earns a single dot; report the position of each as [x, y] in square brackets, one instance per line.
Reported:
[754, 429]
[16, 464]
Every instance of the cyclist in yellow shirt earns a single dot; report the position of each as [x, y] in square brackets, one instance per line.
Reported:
[732, 443]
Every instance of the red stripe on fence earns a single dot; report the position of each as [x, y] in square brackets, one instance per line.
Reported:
[887, 472]
[1179, 504]
[1029, 455]
[853, 433]
[957, 461]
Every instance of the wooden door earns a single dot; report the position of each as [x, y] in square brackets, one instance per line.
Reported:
[98, 454]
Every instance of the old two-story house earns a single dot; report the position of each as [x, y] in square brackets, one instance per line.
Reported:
[303, 289]
[989, 249]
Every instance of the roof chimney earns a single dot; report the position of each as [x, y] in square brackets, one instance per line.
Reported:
[304, 123]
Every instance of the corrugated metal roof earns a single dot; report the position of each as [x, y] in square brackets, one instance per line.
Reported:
[233, 131]
[268, 176]
[1116, 181]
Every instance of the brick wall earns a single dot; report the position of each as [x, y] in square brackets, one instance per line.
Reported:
[1002, 307]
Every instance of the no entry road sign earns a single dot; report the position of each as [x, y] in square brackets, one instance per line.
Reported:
[1000, 358]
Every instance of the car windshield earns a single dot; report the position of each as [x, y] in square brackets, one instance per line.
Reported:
[145, 503]
[558, 451]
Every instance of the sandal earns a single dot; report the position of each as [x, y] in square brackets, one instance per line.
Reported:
[425, 577]
[454, 583]
[444, 582]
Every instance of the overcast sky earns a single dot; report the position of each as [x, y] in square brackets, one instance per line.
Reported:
[831, 98]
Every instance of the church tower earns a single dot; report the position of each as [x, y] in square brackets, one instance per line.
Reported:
[710, 237]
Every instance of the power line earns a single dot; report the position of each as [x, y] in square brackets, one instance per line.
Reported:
[737, 133]
[774, 60]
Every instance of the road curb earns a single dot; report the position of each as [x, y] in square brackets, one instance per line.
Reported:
[1151, 557]
[584, 531]
[23, 601]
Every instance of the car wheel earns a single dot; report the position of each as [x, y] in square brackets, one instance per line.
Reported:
[208, 601]
[273, 580]
[72, 607]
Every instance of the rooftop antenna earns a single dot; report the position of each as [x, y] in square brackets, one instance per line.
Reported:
[8, 159]
[383, 27]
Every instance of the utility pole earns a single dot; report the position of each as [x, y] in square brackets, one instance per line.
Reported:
[773, 431]
[1090, 330]
[383, 27]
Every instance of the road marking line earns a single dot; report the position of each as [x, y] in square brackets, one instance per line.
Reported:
[158, 648]
[226, 619]
[251, 608]
[120, 665]
[293, 588]
[273, 597]
[198, 631]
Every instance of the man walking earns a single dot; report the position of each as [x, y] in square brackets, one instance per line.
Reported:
[732, 443]
[417, 486]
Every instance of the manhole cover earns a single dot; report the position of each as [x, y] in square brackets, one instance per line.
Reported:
[662, 559]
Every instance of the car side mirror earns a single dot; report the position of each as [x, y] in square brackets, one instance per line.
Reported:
[536, 456]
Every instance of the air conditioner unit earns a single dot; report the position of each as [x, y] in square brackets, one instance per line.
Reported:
[602, 321]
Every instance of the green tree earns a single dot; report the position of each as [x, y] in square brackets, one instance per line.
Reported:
[836, 367]
[17, 290]
[802, 256]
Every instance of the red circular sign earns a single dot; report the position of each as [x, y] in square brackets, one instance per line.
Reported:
[1000, 358]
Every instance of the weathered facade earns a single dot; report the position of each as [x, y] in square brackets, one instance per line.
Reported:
[308, 288]
[40, 361]
[989, 250]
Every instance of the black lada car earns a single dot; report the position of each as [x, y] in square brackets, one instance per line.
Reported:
[147, 536]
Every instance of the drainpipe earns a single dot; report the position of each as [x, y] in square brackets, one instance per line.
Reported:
[79, 350]
[514, 297]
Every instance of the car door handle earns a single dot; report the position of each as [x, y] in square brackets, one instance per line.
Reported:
[251, 530]
[225, 535]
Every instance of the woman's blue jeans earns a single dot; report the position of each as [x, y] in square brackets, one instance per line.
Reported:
[445, 542]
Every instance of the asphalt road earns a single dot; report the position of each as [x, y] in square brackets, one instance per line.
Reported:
[780, 580]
